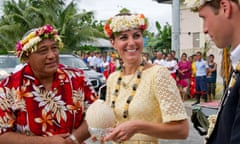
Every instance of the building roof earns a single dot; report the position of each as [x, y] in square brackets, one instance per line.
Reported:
[98, 42]
[164, 1]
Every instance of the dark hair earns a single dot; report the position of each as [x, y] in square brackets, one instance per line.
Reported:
[199, 53]
[184, 54]
[211, 55]
[215, 4]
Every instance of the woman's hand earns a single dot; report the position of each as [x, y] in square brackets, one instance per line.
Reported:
[122, 132]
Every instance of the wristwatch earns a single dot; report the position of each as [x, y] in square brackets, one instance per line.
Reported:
[74, 139]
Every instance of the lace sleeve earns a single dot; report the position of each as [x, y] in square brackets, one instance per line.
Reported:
[168, 96]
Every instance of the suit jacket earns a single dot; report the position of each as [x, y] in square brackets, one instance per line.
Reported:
[227, 127]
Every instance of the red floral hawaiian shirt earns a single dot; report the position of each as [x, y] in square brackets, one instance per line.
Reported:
[27, 107]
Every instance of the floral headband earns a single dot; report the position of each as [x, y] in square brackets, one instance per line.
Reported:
[120, 23]
[29, 43]
[195, 4]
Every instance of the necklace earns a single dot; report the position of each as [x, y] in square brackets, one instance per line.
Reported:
[133, 92]
[126, 84]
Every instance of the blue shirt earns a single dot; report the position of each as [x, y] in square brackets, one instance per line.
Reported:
[201, 68]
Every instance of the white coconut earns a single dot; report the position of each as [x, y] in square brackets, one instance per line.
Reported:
[100, 115]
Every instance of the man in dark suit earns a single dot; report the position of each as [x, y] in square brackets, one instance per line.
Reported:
[221, 21]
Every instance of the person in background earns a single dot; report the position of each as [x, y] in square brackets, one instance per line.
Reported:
[184, 73]
[146, 57]
[44, 102]
[158, 58]
[201, 79]
[144, 97]
[85, 57]
[171, 65]
[164, 56]
[192, 89]
[97, 62]
[182, 86]
[104, 64]
[91, 59]
[211, 77]
[221, 20]
[154, 56]
[173, 53]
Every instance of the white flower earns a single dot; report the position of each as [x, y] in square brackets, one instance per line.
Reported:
[125, 22]
[195, 4]
[31, 43]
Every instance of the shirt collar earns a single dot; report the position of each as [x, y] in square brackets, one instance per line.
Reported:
[235, 56]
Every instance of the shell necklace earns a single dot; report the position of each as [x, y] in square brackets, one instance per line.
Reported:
[133, 92]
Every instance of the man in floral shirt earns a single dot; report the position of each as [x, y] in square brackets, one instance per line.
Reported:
[44, 102]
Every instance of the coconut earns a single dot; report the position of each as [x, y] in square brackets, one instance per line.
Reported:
[100, 115]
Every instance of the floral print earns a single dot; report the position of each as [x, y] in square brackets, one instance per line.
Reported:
[27, 107]
[29, 43]
[121, 23]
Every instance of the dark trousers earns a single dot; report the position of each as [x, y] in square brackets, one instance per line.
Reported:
[203, 95]
[201, 88]
[211, 87]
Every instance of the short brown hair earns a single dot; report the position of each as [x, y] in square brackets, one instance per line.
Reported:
[215, 4]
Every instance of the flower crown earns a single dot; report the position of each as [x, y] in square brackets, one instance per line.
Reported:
[195, 4]
[29, 43]
[120, 23]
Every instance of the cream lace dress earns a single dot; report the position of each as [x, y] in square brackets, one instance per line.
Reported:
[157, 100]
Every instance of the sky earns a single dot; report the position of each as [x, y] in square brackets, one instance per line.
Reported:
[105, 9]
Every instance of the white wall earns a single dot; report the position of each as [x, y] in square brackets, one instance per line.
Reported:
[191, 22]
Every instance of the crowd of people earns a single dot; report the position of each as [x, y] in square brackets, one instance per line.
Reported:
[194, 75]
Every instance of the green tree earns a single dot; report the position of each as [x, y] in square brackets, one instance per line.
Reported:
[161, 41]
[23, 15]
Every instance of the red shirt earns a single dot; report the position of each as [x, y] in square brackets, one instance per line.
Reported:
[27, 107]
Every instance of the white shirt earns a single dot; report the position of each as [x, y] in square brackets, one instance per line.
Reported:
[235, 56]
[161, 62]
[172, 63]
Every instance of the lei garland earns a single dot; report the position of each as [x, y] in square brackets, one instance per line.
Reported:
[29, 43]
[194, 5]
[121, 23]
[133, 92]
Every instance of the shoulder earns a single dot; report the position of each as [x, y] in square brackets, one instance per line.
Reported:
[155, 70]
[113, 76]
[70, 69]
[13, 79]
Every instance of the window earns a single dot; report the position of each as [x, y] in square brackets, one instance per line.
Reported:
[196, 39]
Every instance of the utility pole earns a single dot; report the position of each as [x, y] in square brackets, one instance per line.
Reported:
[175, 24]
[176, 27]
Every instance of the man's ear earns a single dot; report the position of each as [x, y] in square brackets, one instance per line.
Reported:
[226, 6]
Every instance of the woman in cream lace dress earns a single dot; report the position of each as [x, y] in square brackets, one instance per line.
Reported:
[144, 97]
